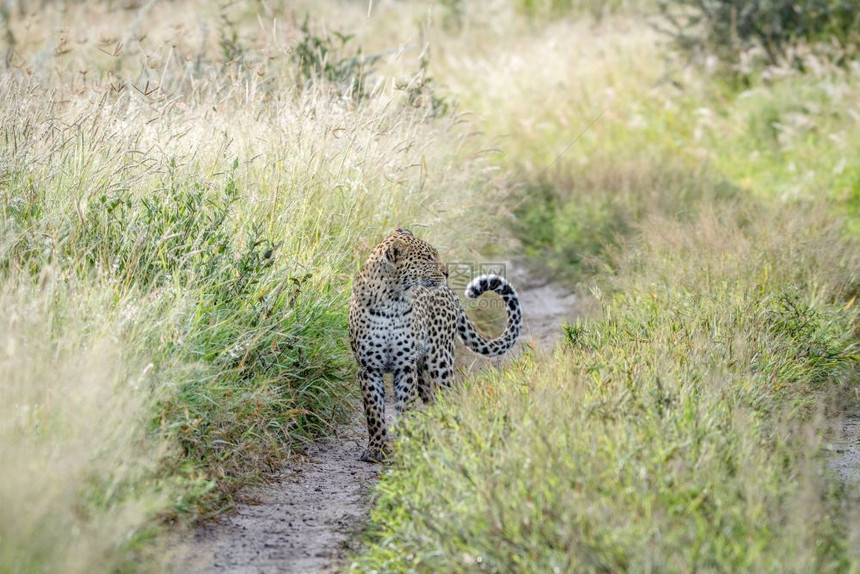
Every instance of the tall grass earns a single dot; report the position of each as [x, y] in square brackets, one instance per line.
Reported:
[81, 472]
[681, 429]
[602, 125]
[185, 199]
[681, 426]
[181, 214]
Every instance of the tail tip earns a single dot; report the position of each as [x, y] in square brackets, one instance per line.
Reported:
[482, 284]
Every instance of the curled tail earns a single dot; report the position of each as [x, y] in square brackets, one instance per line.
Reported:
[471, 337]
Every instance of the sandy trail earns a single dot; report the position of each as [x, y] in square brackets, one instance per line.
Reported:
[845, 450]
[305, 522]
[309, 520]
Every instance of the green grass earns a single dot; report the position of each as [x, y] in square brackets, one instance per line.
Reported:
[611, 127]
[183, 207]
[680, 429]
[792, 141]
[188, 248]
[571, 221]
[682, 424]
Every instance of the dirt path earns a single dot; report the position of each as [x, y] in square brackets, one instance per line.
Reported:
[309, 520]
[303, 523]
[845, 450]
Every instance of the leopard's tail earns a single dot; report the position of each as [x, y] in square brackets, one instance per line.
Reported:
[471, 337]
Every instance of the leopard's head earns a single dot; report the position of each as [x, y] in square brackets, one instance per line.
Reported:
[412, 262]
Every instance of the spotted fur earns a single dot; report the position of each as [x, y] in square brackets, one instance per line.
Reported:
[402, 320]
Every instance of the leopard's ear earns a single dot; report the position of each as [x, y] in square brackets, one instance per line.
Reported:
[394, 251]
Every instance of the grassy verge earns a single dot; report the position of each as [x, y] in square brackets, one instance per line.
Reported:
[681, 425]
[182, 210]
[679, 430]
[601, 126]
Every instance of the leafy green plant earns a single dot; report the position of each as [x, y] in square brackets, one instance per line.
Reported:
[273, 343]
[324, 57]
[727, 28]
[179, 233]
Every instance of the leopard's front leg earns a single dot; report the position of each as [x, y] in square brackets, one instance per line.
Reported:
[405, 388]
[373, 396]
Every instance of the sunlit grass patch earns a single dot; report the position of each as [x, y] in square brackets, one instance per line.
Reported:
[81, 476]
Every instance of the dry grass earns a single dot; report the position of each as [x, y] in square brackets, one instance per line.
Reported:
[183, 208]
[80, 470]
[184, 202]
[682, 428]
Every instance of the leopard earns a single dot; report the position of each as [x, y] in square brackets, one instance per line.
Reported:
[403, 317]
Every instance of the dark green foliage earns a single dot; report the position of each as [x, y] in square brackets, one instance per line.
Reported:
[727, 28]
[813, 345]
[568, 232]
[180, 233]
[324, 57]
[263, 344]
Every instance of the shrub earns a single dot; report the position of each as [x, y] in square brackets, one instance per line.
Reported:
[325, 57]
[728, 28]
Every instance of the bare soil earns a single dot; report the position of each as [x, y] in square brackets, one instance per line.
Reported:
[305, 522]
[845, 450]
[310, 519]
